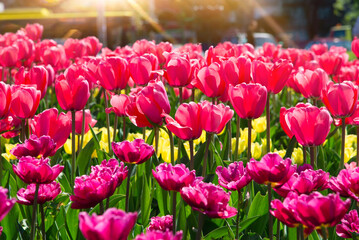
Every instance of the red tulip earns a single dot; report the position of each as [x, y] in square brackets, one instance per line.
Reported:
[236, 70]
[330, 62]
[272, 76]
[340, 99]
[187, 124]
[215, 117]
[5, 203]
[319, 49]
[178, 70]
[113, 73]
[349, 225]
[5, 96]
[41, 147]
[25, 101]
[135, 152]
[209, 81]
[248, 100]
[113, 224]
[33, 170]
[54, 56]
[72, 93]
[36, 76]
[310, 83]
[34, 31]
[233, 178]
[47, 192]
[76, 48]
[9, 56]
[309, 124]
[136, 116]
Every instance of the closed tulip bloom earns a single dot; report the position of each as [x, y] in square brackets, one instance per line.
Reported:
[248, 100]
[305, 182]
[9, 56]
[309, 124]
[89, 121]
[113, 224]
[316, 210]
[233, 178]
[208, 199]
[272, 76]
[113, 73]
[135, 152]
[286, 211]
[47, 192]
[34, 31]
[25, 101]
[37, 76]
[162, 224]
[331, 62]
[173, 178]
[136, 116]
[311, 83]
[33, 170]
[5, 203]
[349, 225]
[178, 71]
[93, 44]
[215, 117]
[209, 81]
[119, 104]
[26, 49]
[49, 122]
[38, 147]
[236, 70]
[141, 70]
[271, 169]
[76, 48]
[72, 93]
[5, 96]
[155, 235]
[187, 123]
[340, 99]
[153, 102]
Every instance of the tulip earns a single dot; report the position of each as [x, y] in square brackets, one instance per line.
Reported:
[5, 203]
[33, 170]
[93, 44]
[346, 182]
[9, 56]
[154, 235]
[26, 49]
[215, 117]
[178, 70]
[233, 178]
[76, 48]
[54, 56]
[319, 48]
[38, 147]
[37, 76]
[34, 31]
[331, 62]
[119, 104]
[72, 93]
[236, 70]
[135, 152]
[47, 192]
[5, 96]
[113, 73]
[142, 69]
[25, 101]
[136, 116]
[286, 211]
[162, 224]
[49, 122]
[113, 224]
[355, 46]
[209, 81]
[89, 121]
[310, 83]
[349, 225]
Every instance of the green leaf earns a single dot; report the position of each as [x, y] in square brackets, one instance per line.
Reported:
[100, 154]
[259, 206]
[114, 200]
[289, 151]
[72, 221]
[146, 200]
[84, 158]
[64, 183]
[10, 222]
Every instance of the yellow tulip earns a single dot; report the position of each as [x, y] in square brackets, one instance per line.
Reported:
[297, 156]
[349, 153]
[241, 147]
[259, 124]
[244, 135]
[7, 155]
[351, 141]
[280, 152]
[201, 139]
[256, 151]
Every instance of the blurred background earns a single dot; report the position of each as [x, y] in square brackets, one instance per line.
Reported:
[292, 23]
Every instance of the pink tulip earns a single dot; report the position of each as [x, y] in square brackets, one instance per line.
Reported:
[162, 224]
[94, 45]
[349, 225]
[310, 83]
[49, 122]
[248, 100]
[33, 170]
[186, 92]
[136, 116]
[309, 124]
[142, 69]
[5, 96]
[208, 199]
[209, 81]
[135, 152]
[25, 101]
[272, 76]
[286, 211]
[340, 99]
[187, 124]
[5, 203]
[113, 224]
[119, 104]
[330, 62]
[155, 235]
[47, 192]
[26, 49]
[39, 147]
[319, 49]
[89, 121]
[355, 46]
[178, 70]
[271, 169]
[113, 73]
[34, 31]
[236, 70]
[346, 182]
[72, 93]
[215, 117]
[9, 56]
[233, 178]
[173, 178]
[36, 76]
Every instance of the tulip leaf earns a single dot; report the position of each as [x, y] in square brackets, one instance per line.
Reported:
[292, 233]
[181, 219]
[162, 198]
[10, 222]
[64, 183]
[114, 200]
[151, 137]
[314, 236]
[72, 221]
[291, 145]
[100, 154]
[84, 158]
[146, 200]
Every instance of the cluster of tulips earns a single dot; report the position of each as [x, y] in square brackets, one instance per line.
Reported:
[186, 116]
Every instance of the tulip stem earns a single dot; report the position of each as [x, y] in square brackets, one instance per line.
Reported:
[325, 233]
[34, 213]
[1, 159]
[237, 138]
[107, 203]
[174, 202]
[357, 145]
[124, 128]
[240, 200]
[305, 155]
[157, 133]
[102, 209]
[180, 95]
[22, 133]
[270, 228]
[278, 230]
[343, 145]
[191, 155]
[193, 94]
[268, 123]
[144, 133]
[172, 147]
[200, 226]
[73, 148]
[179, 150]
[115, 128]
[229, 139]
[108, 125]
[205, 160]
[82, 130]
[249, 139]
[43, 222]
[313, 157]
[130, 167]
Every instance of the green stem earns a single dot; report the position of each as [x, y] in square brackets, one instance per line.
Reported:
[22, 133]
[43, 222]
[73, 149]
[240, 200]
[191, 155]
[107, 202]
[193, 94]
[157, 133]
[180, 95]
[108, 125]
[1, 167]
[325, 233]
[229, 139]
[130, 167]
[124, 129]
[34, 213]
[174, 202]
[343, 145]
[82, 130]
[278, 230]
[237, 138]
[179, 150]
[172, 147]
[270, 230]
[313, 160]
[115, 128]
[268, 123]
[144, 133]
[249, 139]
[205, 160]
[305, 155]
[200, 226]
[102, 209]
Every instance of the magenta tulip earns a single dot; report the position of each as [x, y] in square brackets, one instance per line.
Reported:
[349, 225]
[209, 81]
[9, 56]
[5, 203]
[286, 211]
[155, 235]
[311, 83]
[178, 70]
[233, 178]
[162, 224]
[135, 152]
[38, 147]
[47, 192]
